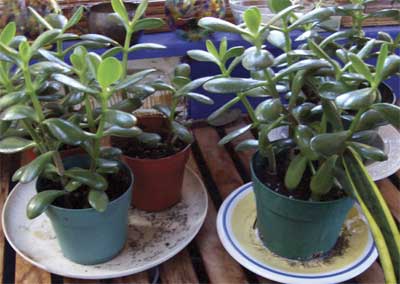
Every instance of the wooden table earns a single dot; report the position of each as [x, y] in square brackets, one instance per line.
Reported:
[204, 260]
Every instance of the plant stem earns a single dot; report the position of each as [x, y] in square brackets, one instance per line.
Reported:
[99, 133]
[248, 107]
[125, 52]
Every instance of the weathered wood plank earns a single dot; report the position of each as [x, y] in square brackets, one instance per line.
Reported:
[216, 260]
[79, 281]
[139, 278]
[26, 273]
[391, 195]
[374, 274]
[178, 270]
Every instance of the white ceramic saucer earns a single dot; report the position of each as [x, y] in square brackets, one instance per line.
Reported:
[152, 237]
[235, 225]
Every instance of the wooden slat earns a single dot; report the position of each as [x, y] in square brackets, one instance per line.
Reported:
[178, 270]
[26, 273]
[391, 195]
[374, 274]
[79, 281]
[221, 166]
[139, 278]
[215, 258]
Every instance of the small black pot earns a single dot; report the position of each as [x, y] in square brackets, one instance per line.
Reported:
[103, 20]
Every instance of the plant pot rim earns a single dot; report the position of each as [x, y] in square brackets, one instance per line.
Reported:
[389, 88]
[287, 198]
[147, 160]
[92, 209]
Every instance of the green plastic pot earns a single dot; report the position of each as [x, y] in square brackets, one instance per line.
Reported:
[296, 229]
[87, 236]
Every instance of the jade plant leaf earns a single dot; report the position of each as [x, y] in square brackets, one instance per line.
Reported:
[11, 99]
[17, 112]
[111, 52]
[73, 83]
[389, 112]
[35, 168]
[201, 55]
[128, 105]
[370, 120]
[369, 152]
[218, 25]
[182, 70]
[277, 39]
[98, 200]
[249, 144]
[357, 99]
[98, 38]
[11, 145]
[91, 179]
[44, 38]
[391, 66]
[108, 72]
[140, 46]
[41, 201]
[72, 185]
[132, 79]
[164, 109]
[148, 23]
[65, 131]
[269, 110]
[8, 33]
[182, 132]
[235, 51]
[107, 166]
[110, 152]
[307, 64]
[4, 126]
[179, 81]
[148, 138]
[254, 60]
[252, 18]
[120, 118]
[332, 114]
[316, 15]
[329, 144]
[231, 85]
[122, 132]
[119, 8]
[57, 21]
[322, 180]
[361, 67]
[140, 10]
[219, 113]
[234, 134]
[193, 85]
[295, 171]
[200, 98]
[278, 5]
[75, 18]
[303, 135]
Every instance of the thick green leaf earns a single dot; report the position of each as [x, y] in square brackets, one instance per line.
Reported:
[278, 5]
[369, 137]
[40, 19]
[93, 61]
[277, 38]
[148, 138]
[303, 136]
[140, 46]
[49, 68]
[304, 65]
[112, 52]
[231, 85]
[179, 81]
[219, 114]
[109, 71]
[98, 200]
[11, 99]
[330, 90]
[39, 203]
[201, 55]
[148, 24]
[282, 14]
[269, 110]
[91, 179]
[73, 83]
[182, 132]
[322, 181]
[332, 115]
[252, 18]
[389, 112]
[4, 126]
[128, 105]
[65, 131]
[57, 21]
[316, 15]
[391, 66]
[164, 109]
[119, 8]
[295, 171]
[75, 18]
[8, 51]
[354, 100]
[249, 144]
[369, 152]
[17, 112]
[45, 38]
[24, 51]
[361, 67]
[120, 118]
[8, 33]
[98, 38]
[234, 134]
[218, 25]
[193, 85]
[200, 98]
[107, 166]
[110, 153]
[10, 145]
[182, 70]
[35, 168]
[132, 79]
[122, 132]
[370, 120]
[233, 52]
[140, 10]
[329, 144]
[380, 64]
[254, 59]
[72, 185]
[212, 49]
[383, 227]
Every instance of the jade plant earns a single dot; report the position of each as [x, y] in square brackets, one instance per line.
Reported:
[327, 105]
[79, 117]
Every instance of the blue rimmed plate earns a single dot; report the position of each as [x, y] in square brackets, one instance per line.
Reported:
[354, 253]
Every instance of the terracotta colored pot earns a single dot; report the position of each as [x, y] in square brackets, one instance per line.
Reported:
[158, 182]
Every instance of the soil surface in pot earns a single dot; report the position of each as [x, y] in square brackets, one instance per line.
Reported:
[78, 199]
[133, 148]
[302, 192]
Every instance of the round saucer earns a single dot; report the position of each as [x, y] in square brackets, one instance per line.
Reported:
[152, 237]
[235, 225]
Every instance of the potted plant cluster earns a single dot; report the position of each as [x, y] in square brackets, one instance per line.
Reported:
[47, 103]
[326, 96]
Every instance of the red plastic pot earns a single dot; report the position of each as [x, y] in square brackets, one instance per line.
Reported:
[157, 182]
